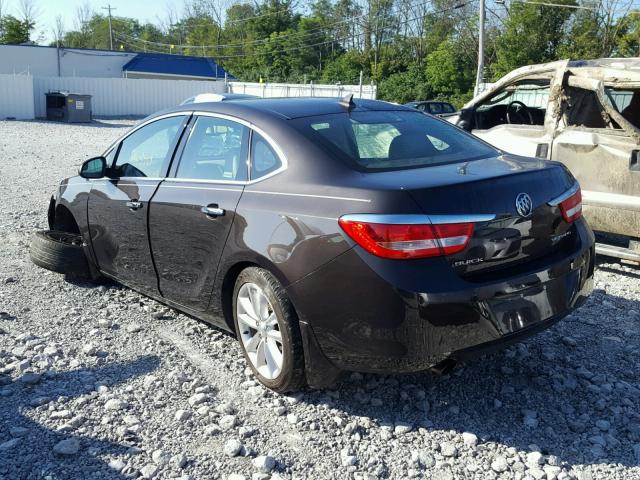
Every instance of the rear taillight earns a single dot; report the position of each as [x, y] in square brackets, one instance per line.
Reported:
[571, 207]
[401, 240]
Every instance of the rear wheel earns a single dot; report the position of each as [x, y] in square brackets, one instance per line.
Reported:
[268, 331]
[60, 252]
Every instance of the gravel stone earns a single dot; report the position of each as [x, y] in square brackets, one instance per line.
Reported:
[499, 465]
[228, 422]
[182, 415]
[448, 449]
[181, 387]
[115, 404]
[470, 439]
[70, 446]
[232, 448]
[264, 463]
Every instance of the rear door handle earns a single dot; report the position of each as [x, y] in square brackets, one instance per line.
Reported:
[213, 211]
[134, 204]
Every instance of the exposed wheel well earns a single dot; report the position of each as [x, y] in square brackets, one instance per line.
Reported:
[64, 220]
[228, 284]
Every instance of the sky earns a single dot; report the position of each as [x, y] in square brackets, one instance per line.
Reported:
[48, 10]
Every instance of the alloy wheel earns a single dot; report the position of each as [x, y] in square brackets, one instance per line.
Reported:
[259, 330]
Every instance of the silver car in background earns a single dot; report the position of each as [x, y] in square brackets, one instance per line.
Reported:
[585, 114]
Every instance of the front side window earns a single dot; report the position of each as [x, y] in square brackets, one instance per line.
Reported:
[520, 104]
[146, 151]
[216, 150]
[390, 140]
[264, 159]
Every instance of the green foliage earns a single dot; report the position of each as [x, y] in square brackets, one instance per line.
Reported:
[433, 56]
[533, 34]
[628, 44]
[15, 31]
[403, 87]
[449, 72]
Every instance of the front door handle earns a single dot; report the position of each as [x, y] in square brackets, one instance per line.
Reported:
[134, 204]
[213, 211]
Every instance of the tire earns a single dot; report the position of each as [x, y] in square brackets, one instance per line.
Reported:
[291, 375]
[60, 252]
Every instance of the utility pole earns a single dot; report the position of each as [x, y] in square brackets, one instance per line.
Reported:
[109, 8]
[480, 74]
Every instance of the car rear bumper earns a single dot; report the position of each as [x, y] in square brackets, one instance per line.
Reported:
[365, 321]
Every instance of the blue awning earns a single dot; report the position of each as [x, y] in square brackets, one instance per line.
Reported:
[179, 65]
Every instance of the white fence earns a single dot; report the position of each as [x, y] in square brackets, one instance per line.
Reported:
[16, 96]
[121, 96]
[23, 96]
[302, 90]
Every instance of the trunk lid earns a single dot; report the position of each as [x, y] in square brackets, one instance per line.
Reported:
[490, 187]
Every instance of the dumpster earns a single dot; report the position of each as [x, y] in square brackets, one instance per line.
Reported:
[68, 107]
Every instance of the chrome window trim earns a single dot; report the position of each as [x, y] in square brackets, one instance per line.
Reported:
[416, 219]
[283, 158]
[554, 202]
[276, 148]
[140, 125]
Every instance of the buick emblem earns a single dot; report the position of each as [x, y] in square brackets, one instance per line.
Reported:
[524, 205]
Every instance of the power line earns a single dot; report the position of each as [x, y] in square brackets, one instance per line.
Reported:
[561, 5]
[298, 35]
[359, 34]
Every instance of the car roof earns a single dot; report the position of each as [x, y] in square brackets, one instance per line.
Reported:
[287, 108]
[427, 102]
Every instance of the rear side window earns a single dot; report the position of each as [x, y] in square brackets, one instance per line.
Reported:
[374, 141]
[435, 108]
[216, 150]
[627, 102]
[264, 159]
[146, 151]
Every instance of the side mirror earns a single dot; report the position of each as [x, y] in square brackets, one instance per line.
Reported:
[465, 118]
[94, 168]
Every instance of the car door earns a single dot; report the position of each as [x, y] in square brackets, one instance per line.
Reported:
[192, 211]
[598, 146]
[118, 205]
[516, 118]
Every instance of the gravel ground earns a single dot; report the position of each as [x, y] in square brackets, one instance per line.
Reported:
[97, 381]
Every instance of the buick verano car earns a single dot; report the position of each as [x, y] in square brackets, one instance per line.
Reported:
[327, 234]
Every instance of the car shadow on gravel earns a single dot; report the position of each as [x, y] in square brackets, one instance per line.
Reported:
[571, 391]
[33, 450]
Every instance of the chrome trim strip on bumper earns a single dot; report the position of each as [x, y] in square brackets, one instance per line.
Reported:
[416, 219]
[561, 198]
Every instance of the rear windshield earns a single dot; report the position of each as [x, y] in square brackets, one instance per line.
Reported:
[392, 140]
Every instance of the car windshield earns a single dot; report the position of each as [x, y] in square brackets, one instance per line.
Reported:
[391, 140]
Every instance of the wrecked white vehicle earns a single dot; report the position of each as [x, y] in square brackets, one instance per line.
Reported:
[585, 114]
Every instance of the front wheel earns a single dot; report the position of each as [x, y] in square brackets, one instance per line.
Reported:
[267, 329]
[60, 252]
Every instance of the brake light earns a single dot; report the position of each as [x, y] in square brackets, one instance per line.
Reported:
[571, 207]
[408, 240]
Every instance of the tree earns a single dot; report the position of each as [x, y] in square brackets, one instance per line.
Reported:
[628, 43]
[449, 73]
[403, 87]
[15, 31]
[533, 34]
